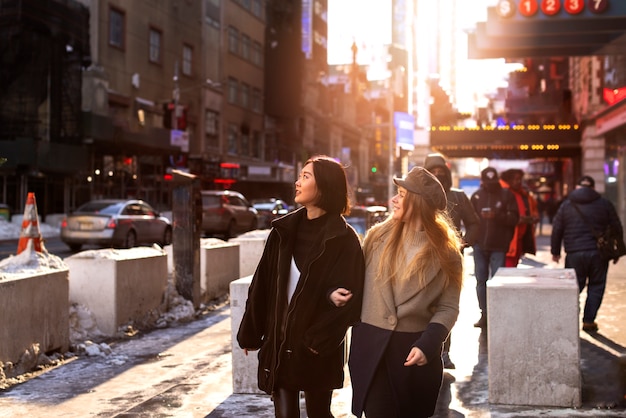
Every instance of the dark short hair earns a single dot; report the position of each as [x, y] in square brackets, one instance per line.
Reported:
[332, 184]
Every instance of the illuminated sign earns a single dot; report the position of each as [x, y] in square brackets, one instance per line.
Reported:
[530, 8]
[612, 96]
[405, 128]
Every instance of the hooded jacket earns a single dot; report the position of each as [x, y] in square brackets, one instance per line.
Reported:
[495, 234]
[460, 208]
[286, 334]
[570, 229]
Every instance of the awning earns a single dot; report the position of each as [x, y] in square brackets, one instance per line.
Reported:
[514, 35]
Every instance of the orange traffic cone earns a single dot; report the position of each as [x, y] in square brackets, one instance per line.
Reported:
[30, 226]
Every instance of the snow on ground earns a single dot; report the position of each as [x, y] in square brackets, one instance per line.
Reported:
[11, 230]
[85, 337]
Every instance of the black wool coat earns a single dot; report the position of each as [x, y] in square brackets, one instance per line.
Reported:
[285, 334]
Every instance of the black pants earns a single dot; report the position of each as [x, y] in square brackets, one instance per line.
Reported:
[287, 403]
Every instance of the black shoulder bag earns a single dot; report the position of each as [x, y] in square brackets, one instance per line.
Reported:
[610, 246]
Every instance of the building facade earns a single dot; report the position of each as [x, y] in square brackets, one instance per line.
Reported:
[123, 93]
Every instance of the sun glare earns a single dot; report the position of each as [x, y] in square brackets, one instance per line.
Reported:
[366, 22]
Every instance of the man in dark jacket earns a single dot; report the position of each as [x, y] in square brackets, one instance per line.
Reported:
[575, 231]
[497, 208]
[461, 212]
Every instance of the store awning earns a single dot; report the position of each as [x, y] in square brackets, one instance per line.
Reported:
[536, 33]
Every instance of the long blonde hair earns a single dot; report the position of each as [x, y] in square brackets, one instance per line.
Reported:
[444, 243]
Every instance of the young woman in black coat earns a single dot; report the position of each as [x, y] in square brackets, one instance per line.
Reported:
[305, 293]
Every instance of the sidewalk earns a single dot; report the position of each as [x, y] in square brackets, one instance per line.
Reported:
[185, 371]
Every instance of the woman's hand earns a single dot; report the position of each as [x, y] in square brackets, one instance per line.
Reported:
[416, 358]
[246, 350]
[340, 297]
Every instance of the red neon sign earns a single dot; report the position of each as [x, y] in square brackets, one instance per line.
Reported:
[528, 7]
[612, 96]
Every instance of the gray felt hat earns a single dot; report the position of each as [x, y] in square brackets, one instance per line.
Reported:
[420, 181]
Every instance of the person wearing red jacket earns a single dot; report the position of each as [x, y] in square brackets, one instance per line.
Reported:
[523, 241]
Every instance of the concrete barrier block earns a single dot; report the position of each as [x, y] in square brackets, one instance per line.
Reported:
[533, 337]
[34, 310]
[251, 250]
[219, 265]
[118, 286]
[244, 367]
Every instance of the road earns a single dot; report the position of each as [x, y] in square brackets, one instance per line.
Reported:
[54, 245]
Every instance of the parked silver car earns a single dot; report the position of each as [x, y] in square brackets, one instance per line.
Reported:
[117, 223]
[227, 212]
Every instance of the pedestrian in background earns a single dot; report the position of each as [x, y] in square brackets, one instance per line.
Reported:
[497, 209]
[523, 241]
[463, 216]
[574, 230]
[305, 293]
[414, 271]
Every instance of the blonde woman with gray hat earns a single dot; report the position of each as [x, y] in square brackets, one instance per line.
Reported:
[413, 282]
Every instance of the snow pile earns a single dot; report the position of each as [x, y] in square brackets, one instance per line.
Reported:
[125, 254]
[85, 337]
[12, 230]
[257, 233]
[82, 324]
[30, 262]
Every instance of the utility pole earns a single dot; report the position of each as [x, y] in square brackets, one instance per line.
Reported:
[176, 94]
[392, 148]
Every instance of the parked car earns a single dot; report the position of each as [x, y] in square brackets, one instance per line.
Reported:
[227, 212]
[362, 218]
[269, 209]
[117, 223]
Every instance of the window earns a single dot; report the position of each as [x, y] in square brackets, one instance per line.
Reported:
[257, 9]
[245, 95]
[116, 28]
[211, 122]
[257, 54]
[213, 13]
[232, 90]
[245, 144]
[245, 47]
[257, 146]
[256, 100]
[233, 40]
[187, 59]
[211, 129]
[155, 45]
[232, 139]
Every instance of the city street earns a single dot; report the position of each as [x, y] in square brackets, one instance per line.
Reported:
[185, 371]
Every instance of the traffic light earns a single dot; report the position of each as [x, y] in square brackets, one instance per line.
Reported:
[374, 169]
[168, 112]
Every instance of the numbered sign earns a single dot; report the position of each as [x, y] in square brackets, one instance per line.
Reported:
[598, 6]
[574, 7]
[505, 8]
[528, 7]
[550, 7]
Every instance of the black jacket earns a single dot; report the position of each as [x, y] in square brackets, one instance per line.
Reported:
[495, 234]
[283, 335]
[570, 229]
